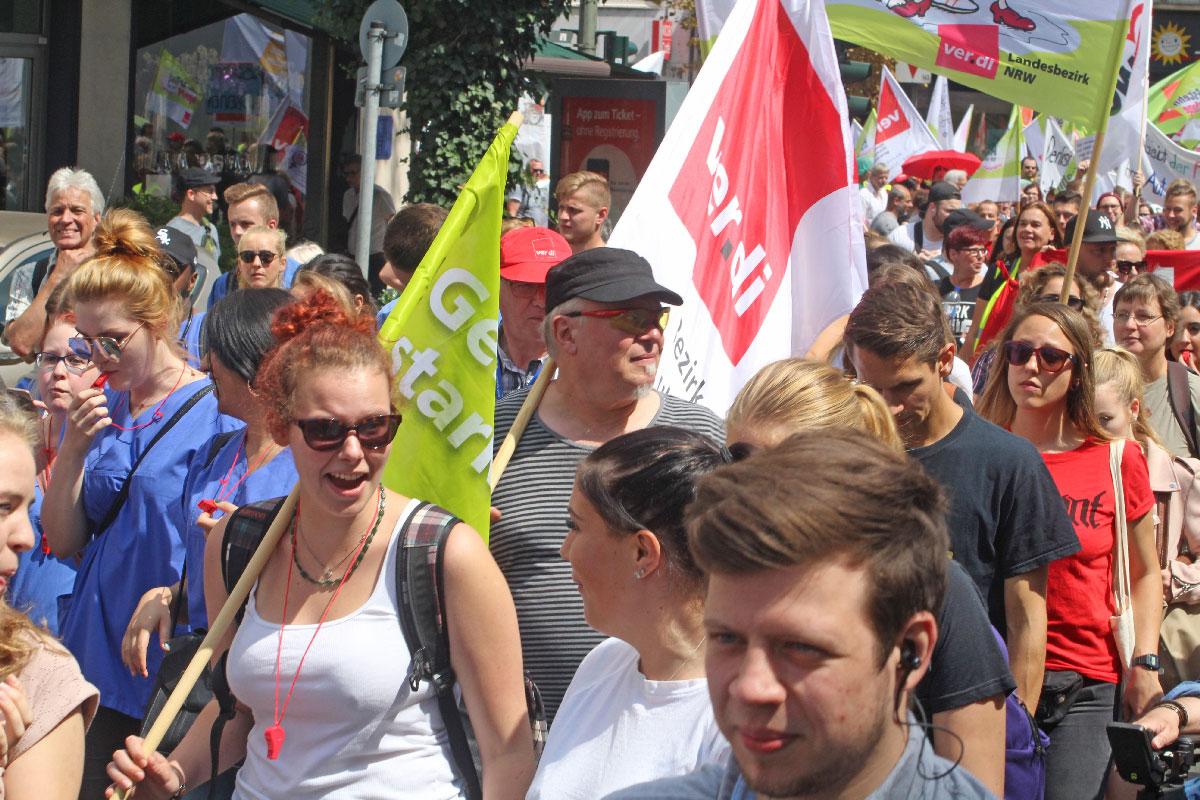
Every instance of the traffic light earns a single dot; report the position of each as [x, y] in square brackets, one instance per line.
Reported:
[853, 72]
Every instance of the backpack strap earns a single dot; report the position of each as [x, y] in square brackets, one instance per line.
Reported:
[243, 533]
[40, 269]
[1181, 404]
[420, 573]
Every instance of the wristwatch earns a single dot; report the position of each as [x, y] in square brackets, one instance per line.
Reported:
[1148, 661]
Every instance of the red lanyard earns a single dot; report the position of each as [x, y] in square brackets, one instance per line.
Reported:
[224, 490]
[49, 453]
[275, 734]
[157, 415]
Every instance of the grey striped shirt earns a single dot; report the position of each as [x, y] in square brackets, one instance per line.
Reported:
[532, 497]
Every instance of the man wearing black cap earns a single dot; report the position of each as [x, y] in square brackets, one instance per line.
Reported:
[604, 328]
[196, 199]
[181, 253]
[924, 236]
[1098, 261]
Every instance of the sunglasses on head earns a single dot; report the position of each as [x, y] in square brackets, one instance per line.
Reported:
[88, 346]
[1072, 301]
[634, 321]
[1128, 267]
[248, 256]
[1049, 359]
[374, 433]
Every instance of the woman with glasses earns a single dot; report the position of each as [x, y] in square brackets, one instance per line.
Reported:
[114, 498]
[260, 258]
[1131, 253]
[1185, 344]
[43, 578]
[322, 617]
[234, 468]
[1045, 392]
[966, 249]
[1111, 206]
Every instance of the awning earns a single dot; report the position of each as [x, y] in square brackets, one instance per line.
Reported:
[554, 59]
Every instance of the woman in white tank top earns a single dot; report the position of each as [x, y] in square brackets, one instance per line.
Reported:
[319, 662]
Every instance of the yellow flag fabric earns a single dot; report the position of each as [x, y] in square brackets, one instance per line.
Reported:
[442, 337]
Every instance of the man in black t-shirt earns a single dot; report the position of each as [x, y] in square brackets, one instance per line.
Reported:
[1006, 519]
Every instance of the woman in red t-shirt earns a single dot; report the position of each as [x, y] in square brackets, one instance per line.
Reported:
[1046, 394]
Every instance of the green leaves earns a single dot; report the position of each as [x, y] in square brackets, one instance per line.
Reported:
[464, 62]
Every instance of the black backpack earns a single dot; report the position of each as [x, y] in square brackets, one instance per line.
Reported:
[422, 613]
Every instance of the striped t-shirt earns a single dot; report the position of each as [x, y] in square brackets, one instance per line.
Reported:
[532, 497]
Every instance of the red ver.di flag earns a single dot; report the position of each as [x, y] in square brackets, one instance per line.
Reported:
[748, 209]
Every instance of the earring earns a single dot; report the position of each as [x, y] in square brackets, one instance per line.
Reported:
[639, 573]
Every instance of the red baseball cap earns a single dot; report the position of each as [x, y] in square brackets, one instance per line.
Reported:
[527, 254]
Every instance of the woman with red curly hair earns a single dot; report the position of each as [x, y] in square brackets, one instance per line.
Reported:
[319, 663]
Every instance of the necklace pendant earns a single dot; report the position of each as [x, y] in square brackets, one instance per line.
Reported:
[274, 736]
[327, 575]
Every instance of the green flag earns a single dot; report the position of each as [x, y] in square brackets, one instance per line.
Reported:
[999, 176]
[442, 337]
[1174, 105]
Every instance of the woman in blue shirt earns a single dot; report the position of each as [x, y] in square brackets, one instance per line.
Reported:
[140, 431]
[233, 469]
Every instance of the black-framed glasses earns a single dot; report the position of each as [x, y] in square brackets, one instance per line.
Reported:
[633, 321]
[1072, 301]
[374, 433]
[1130, 267]
[1049, 359]
[88, 346]
[75, 363]
[265, 256]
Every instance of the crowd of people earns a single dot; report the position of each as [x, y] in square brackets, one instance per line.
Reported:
[932, 558]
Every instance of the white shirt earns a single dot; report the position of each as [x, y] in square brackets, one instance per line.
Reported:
[874, 202]
[616, 729]
[1194, 242]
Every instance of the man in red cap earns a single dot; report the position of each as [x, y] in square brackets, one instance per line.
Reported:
[526, 255]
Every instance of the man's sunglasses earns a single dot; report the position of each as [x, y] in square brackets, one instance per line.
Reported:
[1049, 359]
[1072, 301]
[374, 433]
[265, 256]
[635, 321]
[88, 346]
[1130, 267]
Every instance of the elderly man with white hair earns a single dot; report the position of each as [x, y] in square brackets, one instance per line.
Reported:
[873, 194]
[73, 208]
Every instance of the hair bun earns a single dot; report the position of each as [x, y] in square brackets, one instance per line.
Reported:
[319, 309]
[125, 233]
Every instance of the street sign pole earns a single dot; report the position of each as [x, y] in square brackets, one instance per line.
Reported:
[366, 177]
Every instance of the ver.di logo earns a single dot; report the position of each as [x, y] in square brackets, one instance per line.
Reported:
[974, 49]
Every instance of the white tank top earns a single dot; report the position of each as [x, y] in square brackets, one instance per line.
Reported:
[354, 727]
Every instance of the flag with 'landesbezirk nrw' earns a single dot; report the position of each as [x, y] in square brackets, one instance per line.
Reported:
[749, 208]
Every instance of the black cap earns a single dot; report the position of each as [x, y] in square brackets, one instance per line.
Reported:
[965, 216]
[194, 178]
[941, 190]
[606, 275]
[1097, 229]
[178, 245]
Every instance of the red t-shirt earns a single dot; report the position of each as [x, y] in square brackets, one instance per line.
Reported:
[1079, 598]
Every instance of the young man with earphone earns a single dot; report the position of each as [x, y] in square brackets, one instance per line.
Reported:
[826, 564]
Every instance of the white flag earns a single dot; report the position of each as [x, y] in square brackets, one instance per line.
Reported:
[999, 177]
[1126, 126]
[1167, 161]
[1035, 138]
[963, 132]
[899, 130]
[1057, 154]
[749, 208]
[938, 117]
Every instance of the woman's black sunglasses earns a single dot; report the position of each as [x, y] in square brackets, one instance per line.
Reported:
[374, 433]
[1072, 301]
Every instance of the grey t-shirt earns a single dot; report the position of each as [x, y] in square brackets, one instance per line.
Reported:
[920, 774]
[1162, 418]
[532, 497]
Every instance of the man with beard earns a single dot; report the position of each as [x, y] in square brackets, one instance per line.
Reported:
[73, 208]
[825, 560]
[1006, 520]
[899, 207]
[1179, 212]
[1097, 261]
[604, 328]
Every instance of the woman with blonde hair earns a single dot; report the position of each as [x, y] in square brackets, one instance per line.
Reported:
[45, 704]
[1121, 407]
[114, 498]
[260, 257]
[1044, 391]
[966, 687]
